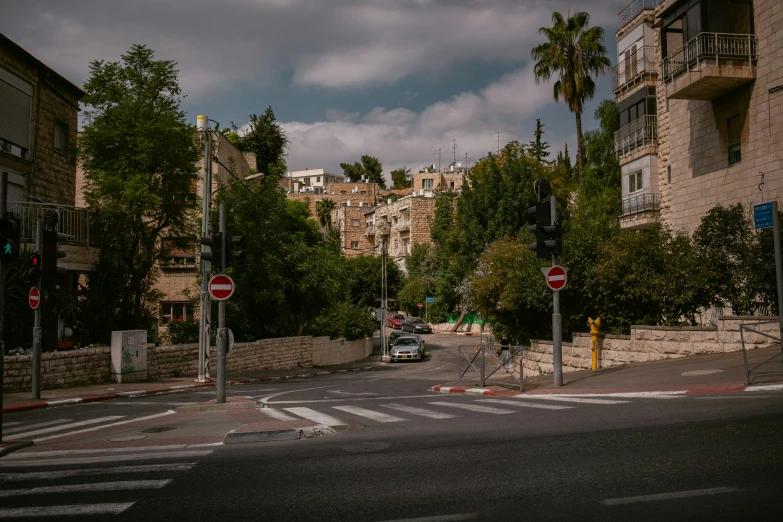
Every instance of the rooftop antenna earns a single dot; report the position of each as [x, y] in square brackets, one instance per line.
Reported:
[438, 152]
[454, 146]
[498, 133]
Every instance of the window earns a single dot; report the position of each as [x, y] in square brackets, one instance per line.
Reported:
[60, 136]
[406, 246]
[343, 192]
[15, 114]
[173, 313]
[735, 136]
[306, 181]
[318, 179]
[427, 184]
[669, 174]
[635, 182]
[452, 185]
[354, 244]
[355, 223]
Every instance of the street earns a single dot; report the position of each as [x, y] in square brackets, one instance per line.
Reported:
[399, 452]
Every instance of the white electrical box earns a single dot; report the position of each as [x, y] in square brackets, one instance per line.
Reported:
[129, 356]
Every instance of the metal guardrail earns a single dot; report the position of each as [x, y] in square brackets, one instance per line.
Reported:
[639, 133]
[633, 67]
[633, 9]
[484, 352]
[748, 371]
[637, 204]
[710, 46]
[77, 224]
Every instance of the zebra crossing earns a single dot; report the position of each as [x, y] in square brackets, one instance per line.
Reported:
[51, 429]
[70, 476]
[343, 415]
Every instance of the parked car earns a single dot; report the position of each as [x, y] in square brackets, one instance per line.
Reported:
[393, 337]
[407, 347]
[394, 320]
[415, 325]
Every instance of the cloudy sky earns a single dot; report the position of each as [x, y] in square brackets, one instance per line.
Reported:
[396, 79]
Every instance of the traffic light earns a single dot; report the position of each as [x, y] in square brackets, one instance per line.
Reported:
[34, 269]
[49, 257]
[9, 238]
[548, 236]
[216, 255]
[233, 252]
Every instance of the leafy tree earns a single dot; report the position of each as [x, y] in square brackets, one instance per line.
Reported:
[600, 188]
[575, 54]
[323, 210]
[401, 178]
[139, 158]
[370, 167]
[344, 319]
[538, 147]
[363, 277]
[266, 139]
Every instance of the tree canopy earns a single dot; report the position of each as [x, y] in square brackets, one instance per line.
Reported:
[401, 178]
[370, 167]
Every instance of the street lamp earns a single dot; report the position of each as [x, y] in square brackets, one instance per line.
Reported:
[247, 178]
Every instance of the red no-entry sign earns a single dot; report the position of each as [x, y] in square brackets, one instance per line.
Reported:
[555, 277]
[34, 297]
[420, 306]
[221, 287]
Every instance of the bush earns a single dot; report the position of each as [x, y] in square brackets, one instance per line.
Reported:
[185, 332]
[343, 319]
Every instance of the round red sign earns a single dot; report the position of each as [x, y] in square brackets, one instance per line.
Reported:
[34, 297]
[221, 287]
[420, 305]
[556, 278]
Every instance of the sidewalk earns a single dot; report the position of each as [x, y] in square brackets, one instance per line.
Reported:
[715, 373]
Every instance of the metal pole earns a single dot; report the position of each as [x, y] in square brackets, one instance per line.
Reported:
[3, 201]
[221, 333]
[557, 321]
[778, 265]
[204, 303]
[37, 330]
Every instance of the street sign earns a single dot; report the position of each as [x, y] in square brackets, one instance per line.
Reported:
[34, 297]
[221, 287]
[430, 299]
[555, 277]
[762, 215]
[420, 306]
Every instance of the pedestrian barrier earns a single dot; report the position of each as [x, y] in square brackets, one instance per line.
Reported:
[483, 360]
[752, 327]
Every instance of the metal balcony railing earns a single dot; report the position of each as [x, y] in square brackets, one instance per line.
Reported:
[633, 9]
[77, 224]
[638, 204]
[403, 226]
[710, 47]
[639, 133]
[369, 231]
[634, 67]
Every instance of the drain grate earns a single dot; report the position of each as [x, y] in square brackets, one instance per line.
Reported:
[159, 429]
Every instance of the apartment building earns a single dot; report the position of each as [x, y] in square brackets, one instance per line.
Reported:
[359, 194]
[394, 227]
[312, 181]
[450, 180]
[351, 222]
[699, 84]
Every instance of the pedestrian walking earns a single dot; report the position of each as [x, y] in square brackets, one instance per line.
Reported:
[505, 353]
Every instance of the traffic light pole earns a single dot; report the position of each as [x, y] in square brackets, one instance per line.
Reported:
[204, 303]
[222, 335]
[557, 320]
[3, 201]
[37, 330]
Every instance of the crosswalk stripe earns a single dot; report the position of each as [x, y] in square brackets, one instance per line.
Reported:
[78, 488]
[110, 451]
[52, 475]
[105, 458]
[11, 423]
[573, 399]
[422, 412]
[369, 414]
[33, 426]
[316, 416]
[67, 426]
[473, 407]
[512, 402]
[104, 426]
[67, 510]
[277, 414]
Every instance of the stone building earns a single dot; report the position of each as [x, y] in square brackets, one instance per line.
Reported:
[343, 195]
[699, 85]
[312, 181]
[351, 222]
[396, 226]
[450, 180]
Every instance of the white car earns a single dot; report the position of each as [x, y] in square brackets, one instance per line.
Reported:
[407, 347]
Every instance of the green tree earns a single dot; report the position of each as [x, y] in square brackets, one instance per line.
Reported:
[401, 178]
[363, 276]
[538, 147]
[266, 139]
[139, 158]
[575, 54]
[323, 210]
[370, 167]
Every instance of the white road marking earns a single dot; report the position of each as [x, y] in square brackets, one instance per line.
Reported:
[572, 399]
[33, 426]
[439, 518]
[769, 387]
[108, 451]
[432, 414]
[369, 414]
[11, 423]
[149, 404]
[68, 510]
[138, 419]
[276, 414]
[52, 475]
[718, 397]
[517, 402]
[316, 416]
[624, 395]
[265, 400]
[96, 486]
[428, 396]
[104, 459]
[667, 496]
[67, 426]
[473, 407]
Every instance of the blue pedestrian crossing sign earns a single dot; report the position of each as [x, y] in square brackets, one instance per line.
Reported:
[762, 215]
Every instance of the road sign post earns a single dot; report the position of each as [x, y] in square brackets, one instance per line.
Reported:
[34, 298]
[765, 215]
[221, 287]
[556, 277]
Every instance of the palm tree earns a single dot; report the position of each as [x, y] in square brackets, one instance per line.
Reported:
[323, 209]
[576, 54]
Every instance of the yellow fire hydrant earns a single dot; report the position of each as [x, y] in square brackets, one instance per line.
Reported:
[594, 325]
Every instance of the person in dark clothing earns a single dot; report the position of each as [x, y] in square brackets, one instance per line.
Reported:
[505, 353]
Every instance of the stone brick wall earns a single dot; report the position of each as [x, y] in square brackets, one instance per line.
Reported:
[58, 369]
[328, 353]
[366, 196]
[343, 219]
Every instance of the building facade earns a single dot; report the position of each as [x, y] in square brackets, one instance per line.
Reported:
[351, 222]
[396, 226]
[312, 181]
[343, 195]
[699, 84]
[450, 180]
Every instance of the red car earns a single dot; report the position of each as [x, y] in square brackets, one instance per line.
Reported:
[394, 321]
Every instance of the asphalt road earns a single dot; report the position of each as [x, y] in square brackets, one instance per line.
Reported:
[400, 452]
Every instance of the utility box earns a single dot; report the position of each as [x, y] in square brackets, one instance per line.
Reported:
[129, 356]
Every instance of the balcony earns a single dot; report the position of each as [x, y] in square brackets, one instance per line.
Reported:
[179, 261]
[639, 212]
[369, 231]
[635, 8]
[402, 226]
[77, 224]
[382, 229]
[638, 138]
[710, 65]
[634, 71]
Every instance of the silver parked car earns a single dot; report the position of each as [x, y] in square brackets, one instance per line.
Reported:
[407, 347]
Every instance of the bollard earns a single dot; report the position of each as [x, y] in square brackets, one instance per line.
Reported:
[594, 325]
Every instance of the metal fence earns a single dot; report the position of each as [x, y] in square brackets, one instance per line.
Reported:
[640, 132]
[634, 66]
[750, 327]
[633, 9]
[640, 203]
[77, 224]
[710, 46]
[485, 360]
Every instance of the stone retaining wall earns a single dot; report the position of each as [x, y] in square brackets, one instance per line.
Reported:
[329, 353]
[58, 369]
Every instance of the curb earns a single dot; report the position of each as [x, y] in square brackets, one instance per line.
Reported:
[233, 437]
[160, 391]
[15, 446]
[636, 393]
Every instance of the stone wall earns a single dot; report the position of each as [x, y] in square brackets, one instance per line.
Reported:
[351, 222]
[329, 353]
[58, 369]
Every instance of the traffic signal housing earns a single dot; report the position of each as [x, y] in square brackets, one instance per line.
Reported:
[9, 238]
[215, 257]
[548, 235]
[233, 252]
[34, 269]
[49, 257]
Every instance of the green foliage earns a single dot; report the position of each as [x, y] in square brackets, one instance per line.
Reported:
[323, 210]
[266, 139]
[401, 178]
[363, 277]
[184, 332]
[139, 158]
[344, 319]
[17, 315]
[370, 167]
[539, 148]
